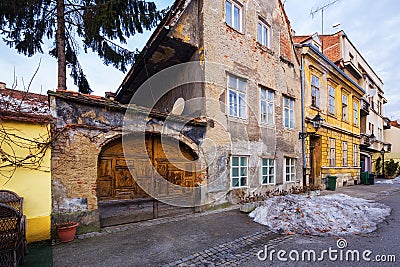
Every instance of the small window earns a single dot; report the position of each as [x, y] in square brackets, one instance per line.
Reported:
[288, 112]
[263, 34]
[331, 100]
[332, 154]
[371, 128]
[345, 151]
[344, 107]
[355, 155]
[266, 106]
[290, 169]
[237, 97]
[355, 113]
[233, 15]
[268, 171]
[239, 171]
[314, 91]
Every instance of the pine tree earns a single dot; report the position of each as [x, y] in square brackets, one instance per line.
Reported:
[99, 24]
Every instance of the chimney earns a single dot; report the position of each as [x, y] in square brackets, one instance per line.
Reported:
[2, 86]
[110, 95]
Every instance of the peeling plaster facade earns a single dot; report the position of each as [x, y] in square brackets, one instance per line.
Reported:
[222, 51]
[82, 126]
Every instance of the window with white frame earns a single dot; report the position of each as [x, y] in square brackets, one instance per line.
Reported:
[288, 112]
[239, 171]
[345, 102]
[268, 171]
[314, 91]
[237, 97]
[380, 134]
[233, 15]
[355, 113]
[332, 154]
[290, 169]
[344, 151]
[355, 155]
[266, 106]
[263, 36]
[331, 100]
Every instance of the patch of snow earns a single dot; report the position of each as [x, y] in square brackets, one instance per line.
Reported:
[336, 214]
[391, 181]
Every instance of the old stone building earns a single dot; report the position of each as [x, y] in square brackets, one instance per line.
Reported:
[210, 112]
[239, 71]
[101, 174]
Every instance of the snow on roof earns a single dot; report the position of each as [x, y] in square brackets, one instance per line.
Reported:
[23, 106]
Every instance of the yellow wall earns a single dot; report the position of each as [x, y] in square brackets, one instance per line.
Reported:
[33, 183]
[334, 125]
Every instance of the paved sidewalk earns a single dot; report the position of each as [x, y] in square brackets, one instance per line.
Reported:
[227, 235]
[217, 238]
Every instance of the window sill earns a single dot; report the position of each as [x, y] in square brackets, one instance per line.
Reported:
[265, 48]
[233, 29]
[237, 119]
[315, 108]
[241, 187]
[268, 184]
[289, 129]
[266, 125]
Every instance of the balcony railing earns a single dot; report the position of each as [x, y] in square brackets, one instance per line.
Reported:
[386, 123]
[364, 107]
[366, 140]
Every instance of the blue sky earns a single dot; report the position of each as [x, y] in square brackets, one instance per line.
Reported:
[372, 26]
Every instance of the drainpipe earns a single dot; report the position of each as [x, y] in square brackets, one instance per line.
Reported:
[303, 128]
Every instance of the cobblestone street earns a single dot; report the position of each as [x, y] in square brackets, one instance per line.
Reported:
[216, 238]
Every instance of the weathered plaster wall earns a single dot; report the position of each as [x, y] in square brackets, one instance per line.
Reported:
[240, 54]
[82, 127]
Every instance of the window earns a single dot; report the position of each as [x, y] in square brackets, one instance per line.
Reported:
[355, 113]
[331, 100]
[379, 107]
[344, 107]
[239, 170]
[237, 97]
[288, 112]
[355, 155]
[290, 169]
[344, 153]
[263, 34]
[314, 91]
[268, 171]
[233, 15]
[332, 155]
[380, 134]
[267, 106]
[371, 128]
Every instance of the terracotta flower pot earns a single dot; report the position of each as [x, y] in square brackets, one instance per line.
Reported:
[66, 231]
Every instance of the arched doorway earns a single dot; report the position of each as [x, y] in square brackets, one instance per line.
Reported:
[122, 194]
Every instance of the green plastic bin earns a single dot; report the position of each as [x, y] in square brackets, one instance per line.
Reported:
[332, 182]
[364, 178]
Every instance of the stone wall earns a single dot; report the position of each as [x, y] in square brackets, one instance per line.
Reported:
[83, 125]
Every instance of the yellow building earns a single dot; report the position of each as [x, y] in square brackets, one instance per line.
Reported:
[332, 143]
[25, 156]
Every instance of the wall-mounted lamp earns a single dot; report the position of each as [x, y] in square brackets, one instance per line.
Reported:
[317, 123]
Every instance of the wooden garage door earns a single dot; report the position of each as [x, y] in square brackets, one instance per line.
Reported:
[115, 181]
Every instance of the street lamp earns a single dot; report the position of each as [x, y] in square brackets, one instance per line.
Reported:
[383, 161]
[317, 123]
